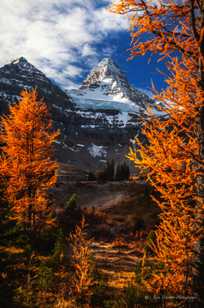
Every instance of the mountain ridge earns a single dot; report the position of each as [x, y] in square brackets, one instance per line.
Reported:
[96, 129]
[108, 82]
[19, 75]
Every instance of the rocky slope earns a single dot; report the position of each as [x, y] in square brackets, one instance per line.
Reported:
[96, 121]
[19, 75]
[111, 112]
[107, 84]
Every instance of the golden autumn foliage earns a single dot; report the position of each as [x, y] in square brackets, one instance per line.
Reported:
[27, 159]
[172, 155]
[82, 280]
[169, 26]
[171, 159]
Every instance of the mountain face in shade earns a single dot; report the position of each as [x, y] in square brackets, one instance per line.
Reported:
[19, 75]
[97, 121]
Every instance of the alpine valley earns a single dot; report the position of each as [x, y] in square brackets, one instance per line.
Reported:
[97, 121]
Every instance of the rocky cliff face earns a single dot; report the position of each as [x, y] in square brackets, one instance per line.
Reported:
[108, 82]
[96, 121]
[106, 87]
[19, 75]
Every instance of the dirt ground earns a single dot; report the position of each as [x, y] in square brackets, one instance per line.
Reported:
[116, 206]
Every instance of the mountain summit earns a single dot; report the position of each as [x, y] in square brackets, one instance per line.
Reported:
[106, 72]
[22, 63]
[19, 75]
[96, 121]
[106, 87]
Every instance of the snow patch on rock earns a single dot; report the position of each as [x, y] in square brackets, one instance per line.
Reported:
[97, 150]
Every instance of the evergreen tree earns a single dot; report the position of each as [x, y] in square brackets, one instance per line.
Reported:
[110, 170]
[107, 174]
[122, 172]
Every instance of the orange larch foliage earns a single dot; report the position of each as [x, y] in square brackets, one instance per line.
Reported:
[172, 155]
[169, 159]
[27, 160]
[82, 280]
[169, 26]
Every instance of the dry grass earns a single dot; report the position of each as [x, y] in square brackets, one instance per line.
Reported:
[11, 250]
[119, 218]
[120, 230]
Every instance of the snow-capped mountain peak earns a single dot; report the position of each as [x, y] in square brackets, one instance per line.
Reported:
[106, 75]
[106, 87]
[20, 61]
[19, 75]
[96, 121]
[23, 65]
[106, 68]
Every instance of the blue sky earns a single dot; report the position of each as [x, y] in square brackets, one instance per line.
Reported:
[141, 71]
[66, 38]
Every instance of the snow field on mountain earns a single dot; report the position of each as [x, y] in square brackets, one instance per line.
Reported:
[97, 150]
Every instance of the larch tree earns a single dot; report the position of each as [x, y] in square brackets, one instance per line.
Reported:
[27, 162]
[169, 159]
[82, 280]
[173, 153]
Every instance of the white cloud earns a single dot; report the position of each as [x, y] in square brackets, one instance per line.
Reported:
[88, 50]
[72, 70]
[109, 21]
[53, 34]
